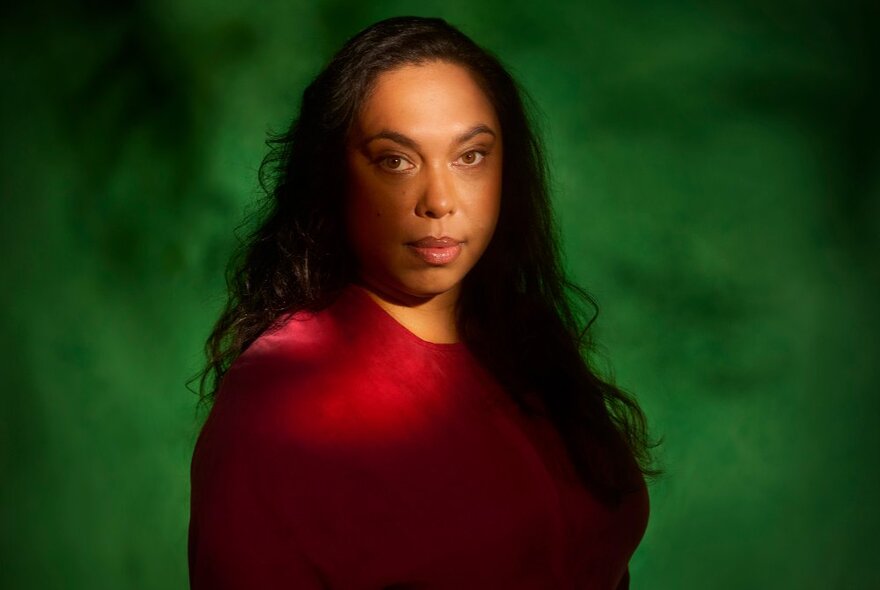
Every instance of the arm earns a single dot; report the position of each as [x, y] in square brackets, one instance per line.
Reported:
[249, 519]
[235, 540]
[248, 570]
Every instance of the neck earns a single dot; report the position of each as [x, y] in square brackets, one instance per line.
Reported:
[431, 318]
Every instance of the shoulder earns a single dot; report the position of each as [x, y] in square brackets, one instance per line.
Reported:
[274, 400]
[265, 434]
[260, 463]
[282, 439]
[280, 384]
[301, 337]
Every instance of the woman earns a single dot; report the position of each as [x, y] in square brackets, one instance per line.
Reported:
[400, 396]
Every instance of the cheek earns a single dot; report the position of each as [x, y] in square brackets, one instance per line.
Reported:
[374, 216]
[487, 206]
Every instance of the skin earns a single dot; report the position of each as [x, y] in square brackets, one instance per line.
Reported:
[424, 159]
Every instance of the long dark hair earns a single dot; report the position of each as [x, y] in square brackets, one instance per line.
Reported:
[516, 312]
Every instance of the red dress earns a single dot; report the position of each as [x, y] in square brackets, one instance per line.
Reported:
[345, 452]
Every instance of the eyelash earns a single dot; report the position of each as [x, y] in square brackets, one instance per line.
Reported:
[383, 159]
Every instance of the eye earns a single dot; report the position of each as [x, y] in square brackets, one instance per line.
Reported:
[472, 158]
[395, 163]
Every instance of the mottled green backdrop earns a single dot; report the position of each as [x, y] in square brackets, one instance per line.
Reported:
[716, 176]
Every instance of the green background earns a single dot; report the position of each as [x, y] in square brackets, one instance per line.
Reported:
[716, 174]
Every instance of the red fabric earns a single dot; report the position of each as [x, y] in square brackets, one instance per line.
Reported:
[344, 452]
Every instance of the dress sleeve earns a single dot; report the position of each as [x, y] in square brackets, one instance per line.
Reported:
[237, 538]
[248, 570]
[245, 520]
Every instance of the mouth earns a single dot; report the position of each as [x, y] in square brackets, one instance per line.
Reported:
[436, 251]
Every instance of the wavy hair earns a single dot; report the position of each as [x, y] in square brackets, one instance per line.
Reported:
[518, 313]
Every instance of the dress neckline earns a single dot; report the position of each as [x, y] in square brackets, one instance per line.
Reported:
[359, 295]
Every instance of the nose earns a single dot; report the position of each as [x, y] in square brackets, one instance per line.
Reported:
[438, 196]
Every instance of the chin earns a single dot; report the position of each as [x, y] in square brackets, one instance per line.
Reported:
[430, 288]
[425, 283]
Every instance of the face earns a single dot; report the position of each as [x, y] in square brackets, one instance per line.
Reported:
[424, 181]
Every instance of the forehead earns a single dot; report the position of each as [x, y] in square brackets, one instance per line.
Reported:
[432, 99]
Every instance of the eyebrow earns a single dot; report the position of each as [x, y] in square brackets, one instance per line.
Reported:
[402, 139]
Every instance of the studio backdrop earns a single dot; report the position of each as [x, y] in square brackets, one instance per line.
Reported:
[716, 176]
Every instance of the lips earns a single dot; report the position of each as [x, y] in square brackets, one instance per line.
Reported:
[436, 251]
[432, 242]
